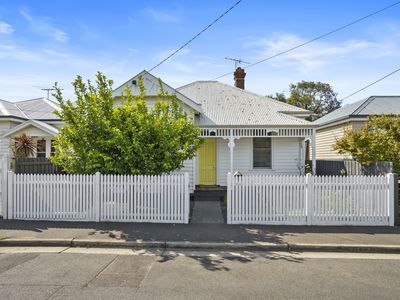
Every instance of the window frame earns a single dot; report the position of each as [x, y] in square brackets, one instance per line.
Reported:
[271, 167]
[43, 152]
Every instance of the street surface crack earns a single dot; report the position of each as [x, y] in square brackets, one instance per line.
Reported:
[101, 271]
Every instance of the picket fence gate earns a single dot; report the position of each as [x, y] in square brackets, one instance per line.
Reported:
[311, 200]
[119, 198]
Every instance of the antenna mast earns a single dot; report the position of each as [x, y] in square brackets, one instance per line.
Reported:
[238, 61]
[47, 90]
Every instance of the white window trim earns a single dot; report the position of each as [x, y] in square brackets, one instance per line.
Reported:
[48, 147]
[272, 156]
[45, 141]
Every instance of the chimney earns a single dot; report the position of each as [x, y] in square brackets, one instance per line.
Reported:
[239, 76]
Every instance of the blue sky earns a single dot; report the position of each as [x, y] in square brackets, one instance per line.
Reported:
[46, 41]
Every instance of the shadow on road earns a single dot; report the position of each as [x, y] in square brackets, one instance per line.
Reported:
[174, 232]
[215, 262]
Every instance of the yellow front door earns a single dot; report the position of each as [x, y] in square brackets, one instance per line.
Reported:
[207, 162]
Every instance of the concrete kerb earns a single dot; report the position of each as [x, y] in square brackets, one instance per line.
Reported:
[257, 247]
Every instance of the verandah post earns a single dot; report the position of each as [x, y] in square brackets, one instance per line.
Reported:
[314, 152]
[391, 199]
[309, 198]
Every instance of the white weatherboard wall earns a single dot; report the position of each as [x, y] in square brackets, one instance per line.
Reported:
[285, 157]
[188, 167]
[4, 142]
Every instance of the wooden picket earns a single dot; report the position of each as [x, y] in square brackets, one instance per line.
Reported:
[120, 198]
[266, 199]
[144, 198]
[51, 197]
[311, 200]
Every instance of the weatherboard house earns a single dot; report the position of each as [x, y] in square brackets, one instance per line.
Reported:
[243, 132]
[354, 116]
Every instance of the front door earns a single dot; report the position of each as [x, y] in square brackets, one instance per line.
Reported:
[207, 162]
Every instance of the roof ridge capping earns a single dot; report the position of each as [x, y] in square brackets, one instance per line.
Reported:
[363, 105]
[293, 109]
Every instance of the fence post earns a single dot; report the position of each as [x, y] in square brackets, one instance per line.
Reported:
[10, 206]
[187, 198]
[96, 189]
[391, 201]
[309, 198]
[229, 199]
[396, 199]
[4, 195]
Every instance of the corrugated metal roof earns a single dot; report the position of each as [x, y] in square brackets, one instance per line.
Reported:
[10, 109]
[373, 105]
[39, 109]
[223, 104]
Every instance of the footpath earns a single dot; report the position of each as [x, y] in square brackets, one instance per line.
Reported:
[200, 236]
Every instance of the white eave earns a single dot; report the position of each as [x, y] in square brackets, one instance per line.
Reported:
[155, 83]
[51, 130]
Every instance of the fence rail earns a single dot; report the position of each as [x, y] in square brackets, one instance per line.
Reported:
[35, 165]
[311, 200]
[351, 167]
[156, 199]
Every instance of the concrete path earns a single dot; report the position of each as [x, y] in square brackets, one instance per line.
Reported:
[161, 235]
[172, 275]
[207, 212]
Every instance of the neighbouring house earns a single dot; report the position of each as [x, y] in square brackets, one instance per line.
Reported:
[33, 117]
[349, 117]
[243, 131]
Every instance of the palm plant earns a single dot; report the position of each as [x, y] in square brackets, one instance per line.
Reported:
[24, 146]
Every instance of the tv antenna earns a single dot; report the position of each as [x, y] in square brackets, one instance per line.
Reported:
[47, 90]
[238, 61]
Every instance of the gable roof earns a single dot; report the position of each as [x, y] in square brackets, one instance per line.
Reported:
[228, 105]
[39, 109]
[51, 130]
[373, 105]
[152, 86]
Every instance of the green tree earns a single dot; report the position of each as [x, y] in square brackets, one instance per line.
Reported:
[278, 96]
[317, 97]
[129, 138]
[378, 140]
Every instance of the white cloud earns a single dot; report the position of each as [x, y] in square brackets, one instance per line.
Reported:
[44, 26]
[165, 53]
[132, 51]
[162, 15]
[316, 55]
[5, 28]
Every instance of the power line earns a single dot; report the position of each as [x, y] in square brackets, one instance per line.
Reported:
[316, 38]
[196, 36]
[372, 83]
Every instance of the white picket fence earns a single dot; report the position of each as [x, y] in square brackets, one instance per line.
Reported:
[156, 199]
[122, 198]
[311, 200]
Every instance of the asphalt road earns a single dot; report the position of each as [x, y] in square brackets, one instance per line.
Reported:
[73, 273]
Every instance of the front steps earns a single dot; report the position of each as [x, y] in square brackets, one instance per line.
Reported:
[209, 193]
